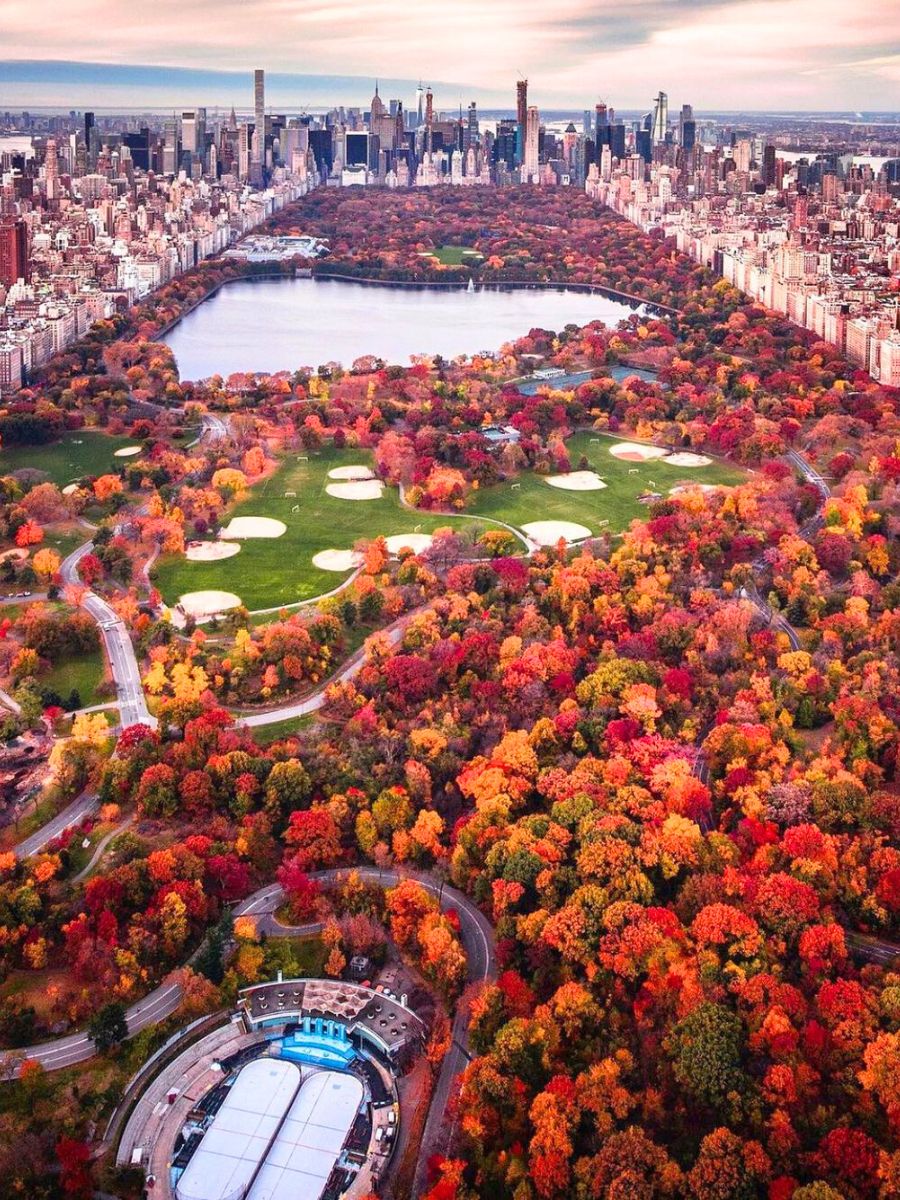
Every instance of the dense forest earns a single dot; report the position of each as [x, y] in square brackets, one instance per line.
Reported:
[677, 806]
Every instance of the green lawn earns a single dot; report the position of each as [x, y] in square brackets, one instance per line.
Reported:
[295, 957]
[272, 571]
[86, 452]
[265, 735]
[64, 538]
[84, 672]
[456, 256]
[617, 503]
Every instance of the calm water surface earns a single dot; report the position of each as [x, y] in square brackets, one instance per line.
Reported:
[283, 324]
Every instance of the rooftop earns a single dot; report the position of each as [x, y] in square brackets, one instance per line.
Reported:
[228, 1157]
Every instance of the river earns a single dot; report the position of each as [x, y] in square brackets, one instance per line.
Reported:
[284, 324]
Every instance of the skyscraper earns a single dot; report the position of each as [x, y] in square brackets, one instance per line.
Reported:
[259, 110]
[768, 168]
[13, 253]
[521, 117]
[660, 118]
[170, 146]
[686, 118]
[189, 132]
[52, 171]
[532, 135]
[88, 134]
[470, 137]
[429, 122]
[522, 102]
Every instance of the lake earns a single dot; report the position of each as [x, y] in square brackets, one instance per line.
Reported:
[284, 324]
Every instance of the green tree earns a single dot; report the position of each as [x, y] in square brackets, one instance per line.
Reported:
[109, 1026]
[707, 1047]
[287, 787]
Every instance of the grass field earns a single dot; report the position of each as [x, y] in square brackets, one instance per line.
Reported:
[64, 538]
[265, 735]
[85, 673]
[272, 571]
[617, 503]
[456, 256]
[69, 459]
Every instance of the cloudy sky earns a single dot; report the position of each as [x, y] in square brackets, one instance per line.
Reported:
[752, 54]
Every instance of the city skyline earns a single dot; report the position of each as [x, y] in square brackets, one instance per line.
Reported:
[803, 55]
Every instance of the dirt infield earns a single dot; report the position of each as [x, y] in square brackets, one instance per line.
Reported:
[210, 551]
[207, 604]
[253, 527]
[635, 452]
[337, 560]
[576, 481]
[356, 489]
[351, 473]
[548, 533]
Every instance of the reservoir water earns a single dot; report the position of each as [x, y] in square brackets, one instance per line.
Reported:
[284, 324]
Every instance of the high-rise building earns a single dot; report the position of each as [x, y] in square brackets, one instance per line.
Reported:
[686, 116]
[189, 132]
[768, 167]
[259, 110]
[521, 117]
[429, 122]
[89, 127]
[617, 140]
[643, 139]
[200, 149]
[13, 252]
[530, 162]
[170, 146]
[139, 146]
[660, 118]
[52, 171]
[522, 102]
[470, 136]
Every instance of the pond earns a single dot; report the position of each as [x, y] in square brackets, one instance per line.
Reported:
[283, 324]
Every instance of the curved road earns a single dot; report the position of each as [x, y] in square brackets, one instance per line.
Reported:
[475, 930]
[81, 807]
[117, 641]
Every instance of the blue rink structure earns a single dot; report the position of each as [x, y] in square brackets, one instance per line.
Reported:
[317, 1042]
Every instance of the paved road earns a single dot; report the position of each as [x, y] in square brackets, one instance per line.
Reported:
[24, 600]
[212, 429]
[873, 950]
[476, 932]
[74, 813]
[117, 642]
[215, 429]
[78, 1047]
[314, 701]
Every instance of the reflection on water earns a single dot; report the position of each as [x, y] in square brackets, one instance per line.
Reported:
[283, 324]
